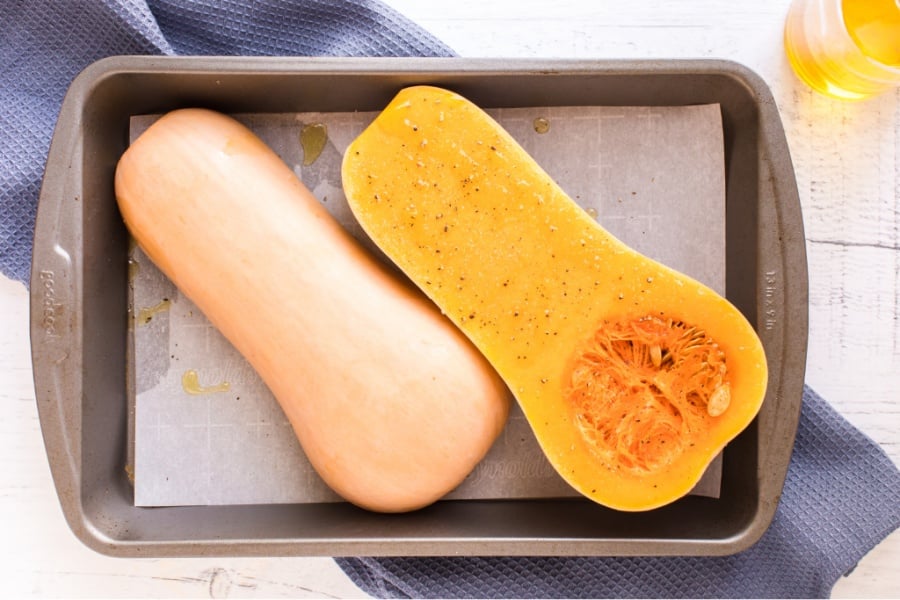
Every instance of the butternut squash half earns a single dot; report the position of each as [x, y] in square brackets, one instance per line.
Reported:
[391, 403]
[632, 376]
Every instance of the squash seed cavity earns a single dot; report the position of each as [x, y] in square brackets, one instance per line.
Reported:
[640, 389]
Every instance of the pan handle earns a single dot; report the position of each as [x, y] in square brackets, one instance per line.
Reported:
[56, 308]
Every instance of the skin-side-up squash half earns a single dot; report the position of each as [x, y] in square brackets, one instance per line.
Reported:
[390, 402]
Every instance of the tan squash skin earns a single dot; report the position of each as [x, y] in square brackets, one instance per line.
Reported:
[391, 403]
[534, 281]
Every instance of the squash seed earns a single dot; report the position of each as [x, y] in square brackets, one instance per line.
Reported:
[719, 401]
[656, 355]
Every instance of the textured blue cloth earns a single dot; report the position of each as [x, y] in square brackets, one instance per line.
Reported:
[842, 494]
[44, 44]
[841, 497]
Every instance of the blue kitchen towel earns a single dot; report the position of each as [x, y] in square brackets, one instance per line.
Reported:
[44, 44]
[842, 494]
[841, 497]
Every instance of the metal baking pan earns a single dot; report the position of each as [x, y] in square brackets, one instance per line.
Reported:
[79, 310]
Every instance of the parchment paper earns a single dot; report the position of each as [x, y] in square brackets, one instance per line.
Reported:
[208, 431]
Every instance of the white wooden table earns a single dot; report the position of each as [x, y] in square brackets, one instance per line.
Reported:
[847, 159]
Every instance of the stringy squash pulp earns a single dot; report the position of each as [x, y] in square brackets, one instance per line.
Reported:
[633, 376]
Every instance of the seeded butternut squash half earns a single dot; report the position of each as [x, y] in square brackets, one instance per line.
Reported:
[390, 402]
[632, 376]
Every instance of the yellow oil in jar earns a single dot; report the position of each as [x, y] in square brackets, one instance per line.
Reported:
[875, 27]
[848, 49]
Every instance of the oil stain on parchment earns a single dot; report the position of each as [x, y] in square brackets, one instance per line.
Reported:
[190, 382]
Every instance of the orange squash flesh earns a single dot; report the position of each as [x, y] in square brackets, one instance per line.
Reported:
[391, 403]
[633, 376]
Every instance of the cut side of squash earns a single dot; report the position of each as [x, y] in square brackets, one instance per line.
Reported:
[633, 376]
